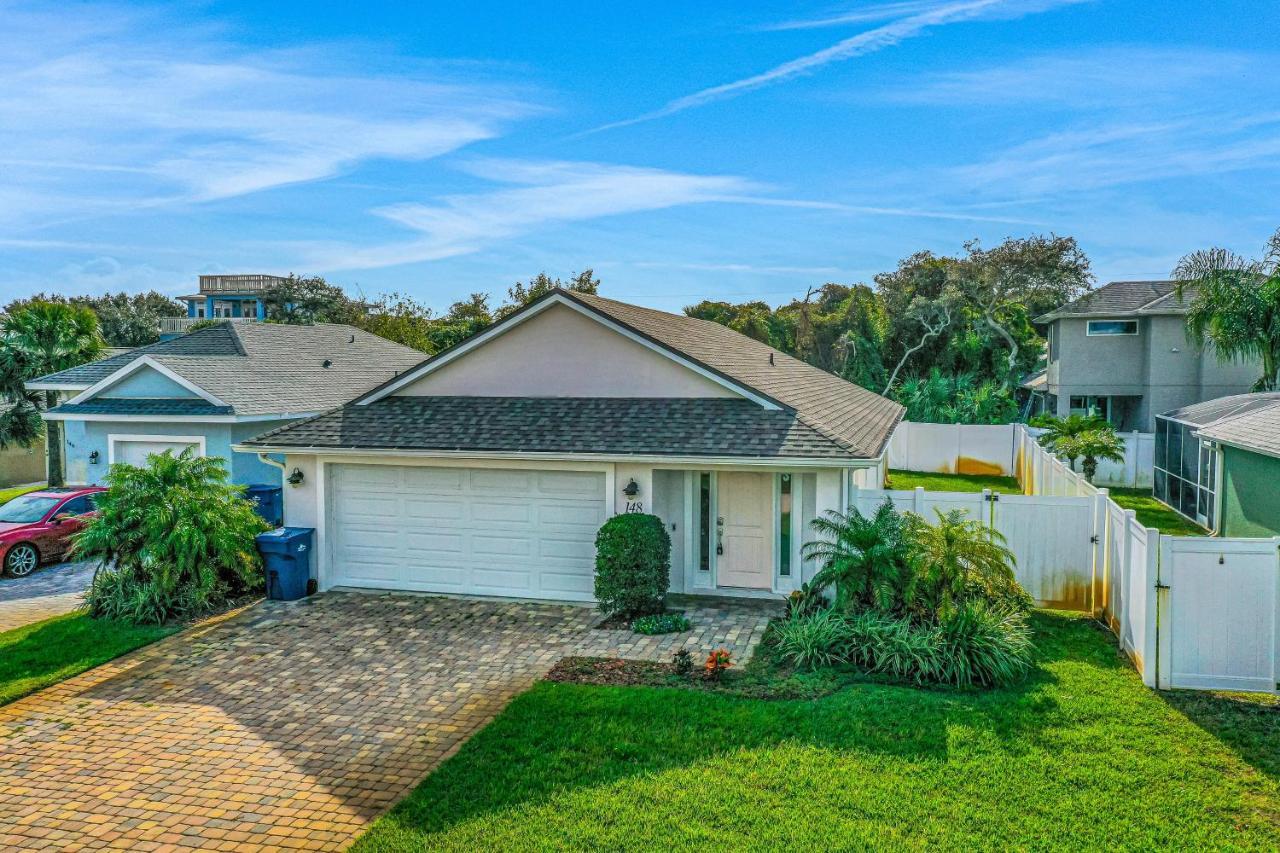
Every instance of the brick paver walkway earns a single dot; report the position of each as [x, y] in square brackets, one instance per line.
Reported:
[288, 725]
[47, 592]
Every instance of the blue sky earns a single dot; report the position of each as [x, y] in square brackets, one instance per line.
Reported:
[740, 151]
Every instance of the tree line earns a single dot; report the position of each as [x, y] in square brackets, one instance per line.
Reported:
[949, 336]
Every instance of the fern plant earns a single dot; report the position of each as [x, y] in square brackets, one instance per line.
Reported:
[174, 540]
[865, 560]
[957, 560]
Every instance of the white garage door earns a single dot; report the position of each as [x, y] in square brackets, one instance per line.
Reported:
[134, 451]
[480, 531]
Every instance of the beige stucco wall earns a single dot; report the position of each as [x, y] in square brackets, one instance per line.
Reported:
[561, 353]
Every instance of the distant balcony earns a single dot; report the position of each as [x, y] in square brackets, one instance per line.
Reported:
[173, 326]
[256, 283]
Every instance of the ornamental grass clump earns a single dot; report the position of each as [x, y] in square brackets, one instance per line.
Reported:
[174, 541]
[918, 602]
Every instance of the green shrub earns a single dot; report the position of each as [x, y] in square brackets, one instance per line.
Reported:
[973, 646]
[661, 623]
[174, 540]
[982, 646]
[812, 640]
[633, 565]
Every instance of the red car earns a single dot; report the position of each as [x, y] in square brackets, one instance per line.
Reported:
[36, 527]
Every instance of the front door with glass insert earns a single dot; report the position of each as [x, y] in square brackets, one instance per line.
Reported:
[744, 530]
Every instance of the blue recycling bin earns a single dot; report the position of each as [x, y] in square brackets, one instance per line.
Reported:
[268, 502]
[286, 558]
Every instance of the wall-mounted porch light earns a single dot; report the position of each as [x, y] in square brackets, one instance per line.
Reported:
[632, 489]
[93, 457]
[295, 477]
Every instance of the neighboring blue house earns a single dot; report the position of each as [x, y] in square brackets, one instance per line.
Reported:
[212, 388]
[223, 297]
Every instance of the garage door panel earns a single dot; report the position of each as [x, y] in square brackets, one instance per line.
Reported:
[372, 476]
[568, 482]
[577, 515]
[418, 543]
[508, 482]
[502, 512]
[522, 533]
[434, 509]
[435, 479]
[498, 581]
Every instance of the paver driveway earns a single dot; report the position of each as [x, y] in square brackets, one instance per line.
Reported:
[287, 725]
[47, 592]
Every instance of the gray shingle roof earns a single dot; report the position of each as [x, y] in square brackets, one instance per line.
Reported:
[1123, 299]
[861, 420]
[271, 368]
[604, 425]
[1251, 421]
[142, 406]
[214, 340]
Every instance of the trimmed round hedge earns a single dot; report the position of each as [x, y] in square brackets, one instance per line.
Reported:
[633, 565]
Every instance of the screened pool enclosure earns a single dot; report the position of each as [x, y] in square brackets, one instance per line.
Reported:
[1185, 469]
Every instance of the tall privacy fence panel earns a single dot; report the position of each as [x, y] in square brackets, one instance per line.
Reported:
[982, 449]
[1196, 612]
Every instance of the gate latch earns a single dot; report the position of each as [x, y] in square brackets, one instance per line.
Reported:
[993, 497]
[1093, 539]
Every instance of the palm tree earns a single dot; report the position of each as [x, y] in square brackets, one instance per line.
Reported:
[1235, 305]
[864, 559]
[1059, 433]
[958, 558]
[1093, 446]
[46, 337]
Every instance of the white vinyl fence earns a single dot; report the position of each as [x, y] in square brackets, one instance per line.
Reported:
[1191, 612]
[980, 449]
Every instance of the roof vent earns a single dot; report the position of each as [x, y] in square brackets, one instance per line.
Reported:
[770, 358]
[327, 363]
[352, 340]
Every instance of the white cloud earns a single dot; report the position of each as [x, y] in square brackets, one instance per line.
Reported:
[920, 18]
[860, 15]
[1113, 155]
[1091, 79]
[537, 194]
[133, 119]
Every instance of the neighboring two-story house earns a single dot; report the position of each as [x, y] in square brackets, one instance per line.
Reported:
[1123, 351]
[223, 297]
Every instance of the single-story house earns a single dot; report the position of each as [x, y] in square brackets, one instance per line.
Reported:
[489, 467]
[211, 388]
[1218, 463]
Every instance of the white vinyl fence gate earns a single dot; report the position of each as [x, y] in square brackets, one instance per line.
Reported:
[1196, 612]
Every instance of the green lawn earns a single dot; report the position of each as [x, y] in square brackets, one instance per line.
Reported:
[35, 656]
[1152, 513]
[10, 494]
[952, 482]
[1080, 756]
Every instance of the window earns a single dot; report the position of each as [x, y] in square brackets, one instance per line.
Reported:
[704, 522]
[784, 525]
[1186, 471]
[1091, 404]
[1102, 328]
[77, 506]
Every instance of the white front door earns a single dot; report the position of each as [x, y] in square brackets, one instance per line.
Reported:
[745, 530]
[484, 531]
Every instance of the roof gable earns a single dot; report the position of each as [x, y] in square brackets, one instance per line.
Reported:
[570, 323]
[146, 378]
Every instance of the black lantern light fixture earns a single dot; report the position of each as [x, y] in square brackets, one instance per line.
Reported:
[93, 457]
[632, 489]
[295, 477]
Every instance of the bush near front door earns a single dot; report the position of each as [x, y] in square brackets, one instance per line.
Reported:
[633, 565]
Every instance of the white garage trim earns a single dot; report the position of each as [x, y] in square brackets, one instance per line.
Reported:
[114, 438]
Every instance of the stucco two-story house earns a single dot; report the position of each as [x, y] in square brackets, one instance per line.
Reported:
[1123, 350]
